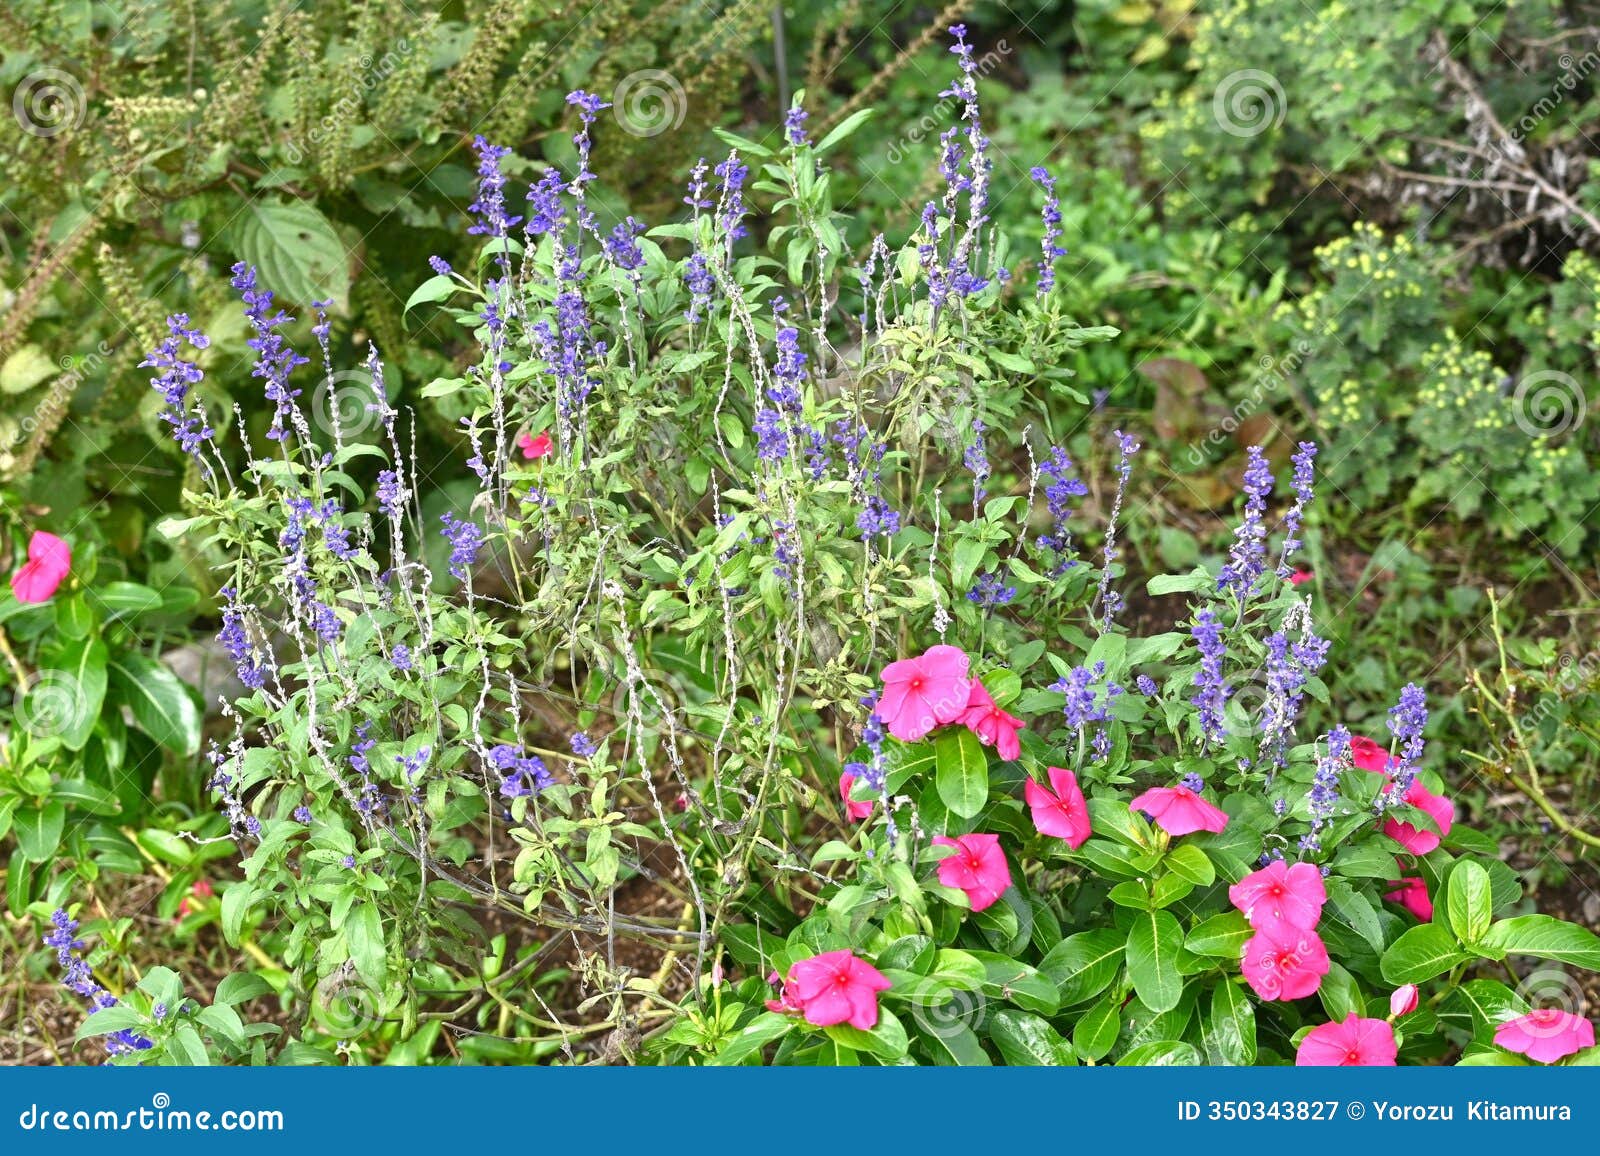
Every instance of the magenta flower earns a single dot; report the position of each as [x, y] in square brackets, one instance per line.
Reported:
[993, 726]
[1060, 810]
[1293, 893]
[1284, 962]
[1404, 1000]
[836, 988]
[922, 693]
[1369, 756]
[49, 561]
[978, 867]
[1413, 838]
[855, 810]
[1355, 1043]
[1179, 811]
[1545, 1035]
[1412, 894]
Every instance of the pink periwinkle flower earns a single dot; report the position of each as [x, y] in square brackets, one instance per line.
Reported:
[922, 693]
[836, 988]
[855, 810]
[1545, 1035]
[1060, 810]
[993, 726]
[1283, 962]
[1292, 892]
[49, 561]
[978, 867]
[1179, 811]
[1413, 838]
[1412, 894]
[1355, 1043]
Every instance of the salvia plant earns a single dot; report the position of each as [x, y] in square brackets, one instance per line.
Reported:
[767, 695]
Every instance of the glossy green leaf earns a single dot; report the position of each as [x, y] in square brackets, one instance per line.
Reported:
[1152, 955]
[962, 770]
[161, 704]
[1420, 954]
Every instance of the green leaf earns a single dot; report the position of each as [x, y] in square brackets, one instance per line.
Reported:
[108, 1020]
[1545, 937]
[1193, 583]
[437, 288]
[1479, 1006]
[1083, 965]
[235, 906]
[956, 1045]
[239, 987]
[1340, 994]
[1162, 1054]
[127, 599]
[750, 946]
[1469, 901]
[296, 253]
[1420, 954]
[1027, 1040]
[1220, 937]
[887, 1039]
[88, 796]
[363, 932]
[844, 128]
[161, 704]
[72, 692]
[165, 846]
[1113, 818]
[1231, 1029]
[1190, 862]
[1006, 978]
[38, 831]
[1095, 1033]
[1351, 909]
[962, 772]
[1153, 945]
[753, 1038]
